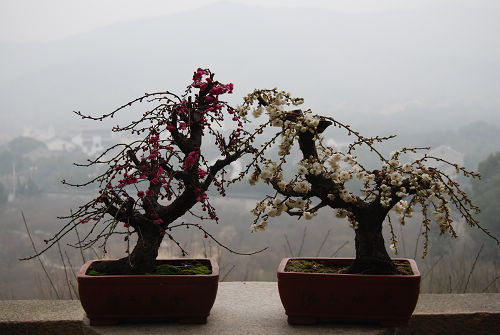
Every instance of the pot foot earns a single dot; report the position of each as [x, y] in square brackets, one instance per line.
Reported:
[192, 319]
[302, 320]
[103, 322]
[394, 323]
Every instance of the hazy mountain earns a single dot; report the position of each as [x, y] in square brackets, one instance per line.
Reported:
[431, 68]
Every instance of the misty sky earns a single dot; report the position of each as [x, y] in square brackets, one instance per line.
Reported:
[381, 64]
[40, 21]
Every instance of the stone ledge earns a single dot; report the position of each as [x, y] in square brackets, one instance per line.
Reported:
[255, 308]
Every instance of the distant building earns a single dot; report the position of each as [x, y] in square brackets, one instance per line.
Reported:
[94, 141]
[59, 144]
[90, 141]
[42, 135]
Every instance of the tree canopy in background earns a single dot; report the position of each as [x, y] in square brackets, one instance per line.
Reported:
[24, 145]
[486, 193]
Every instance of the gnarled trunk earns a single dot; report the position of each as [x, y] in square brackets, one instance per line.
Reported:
[371, 255]
[143, 257]
[141, 260]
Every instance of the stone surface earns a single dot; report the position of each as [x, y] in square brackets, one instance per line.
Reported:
[41, 317]
[455, 314]
[255, 308]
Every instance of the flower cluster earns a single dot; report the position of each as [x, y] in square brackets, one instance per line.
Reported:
[162, 173]
[324, 173]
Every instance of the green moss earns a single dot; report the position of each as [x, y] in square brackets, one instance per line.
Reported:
[182, 269]
[92, 272]
[313, 266]
[177, 268]
[324, 266]
[403, 268]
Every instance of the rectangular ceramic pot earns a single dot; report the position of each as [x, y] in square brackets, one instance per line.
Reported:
[185, 298]
[387, 299]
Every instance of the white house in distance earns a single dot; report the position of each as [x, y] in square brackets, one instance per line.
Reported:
[60, 144]
[49, 137]
[90, 141]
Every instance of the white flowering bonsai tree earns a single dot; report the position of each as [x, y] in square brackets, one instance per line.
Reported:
[321, 181]
[162, 174]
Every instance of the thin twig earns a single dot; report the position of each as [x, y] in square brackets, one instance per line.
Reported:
[74, 276]
[432, 267]
[95, 253]
[227, 273]
[302, 242]
[473, 267]
[491, 283]
[38, 257]
[289, 246]
[209, 235]
[79, 243]
[65, 271]
[339, 248]
[403, 240]
[322, 243]
[416, 242]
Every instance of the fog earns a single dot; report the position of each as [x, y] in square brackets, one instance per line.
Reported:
[428, 71]
[435, 66]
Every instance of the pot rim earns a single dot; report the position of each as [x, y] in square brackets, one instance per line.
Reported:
[413, 264]
[213, 264]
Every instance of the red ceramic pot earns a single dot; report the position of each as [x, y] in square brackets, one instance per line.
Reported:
[185, 298]
[387, 299]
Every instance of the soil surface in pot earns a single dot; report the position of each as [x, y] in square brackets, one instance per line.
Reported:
[327, 266]
[187, 267]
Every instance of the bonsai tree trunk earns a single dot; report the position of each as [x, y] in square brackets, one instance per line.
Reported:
[371, 254]
[142, 259]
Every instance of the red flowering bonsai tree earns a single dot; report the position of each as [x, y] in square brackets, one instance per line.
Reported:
[162, 173]
[321, 180]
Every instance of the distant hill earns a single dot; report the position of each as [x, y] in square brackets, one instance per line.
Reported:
[433, 68]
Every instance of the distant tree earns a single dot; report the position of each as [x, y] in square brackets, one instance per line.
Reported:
[8, 159]
[29, 188]
[23, 145]
[486, 193]
[3, 194]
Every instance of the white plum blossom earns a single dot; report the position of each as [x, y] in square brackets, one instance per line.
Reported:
[407, 167]
[401, 206]
[341, 213]
[396, 178]
[344, 176]
[310, 215]
[316, 168]
[302, 187]
[347, 196]
[311, 121]
[425, 177]
[271, 211]
[257, 112]
[276, 122]
[253, 178]
[393, 186]
[300, 203]
[259, 226]
[302, 170]
[297, 203]
[266, 174]
[349, 159]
